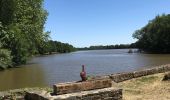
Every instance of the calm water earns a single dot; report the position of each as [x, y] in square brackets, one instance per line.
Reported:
[47, 70]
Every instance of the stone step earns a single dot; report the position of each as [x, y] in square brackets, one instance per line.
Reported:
[64, 88]
[98, 94]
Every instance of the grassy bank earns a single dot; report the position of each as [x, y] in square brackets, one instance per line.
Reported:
[146, 88]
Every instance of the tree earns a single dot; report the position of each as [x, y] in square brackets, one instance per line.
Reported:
[23, 22]
[155, 36]
[99, 47]
[5, 55]
[5, 58]
[55, 46]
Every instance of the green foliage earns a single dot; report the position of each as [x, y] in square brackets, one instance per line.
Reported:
[21, 32]
[155, 36]
[22, 23]
[5, 58]
[121, 46]
[55, 46]
[5, 55]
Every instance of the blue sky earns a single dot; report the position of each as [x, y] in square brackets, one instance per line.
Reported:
[100, 22]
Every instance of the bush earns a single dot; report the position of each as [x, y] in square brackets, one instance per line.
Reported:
[5, 58]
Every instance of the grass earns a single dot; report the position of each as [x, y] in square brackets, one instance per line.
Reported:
[146, 88]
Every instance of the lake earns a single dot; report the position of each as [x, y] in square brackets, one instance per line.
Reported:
[50, 69]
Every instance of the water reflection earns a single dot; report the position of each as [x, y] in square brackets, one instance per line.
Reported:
[26, 76]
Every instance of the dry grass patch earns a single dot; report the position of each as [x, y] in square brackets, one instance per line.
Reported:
[146, 88]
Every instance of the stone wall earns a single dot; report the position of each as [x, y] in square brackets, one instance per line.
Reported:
[126, 76]
[98, 89]
[98, 94]
[119, 77]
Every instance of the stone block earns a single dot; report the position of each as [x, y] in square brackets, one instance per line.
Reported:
[37, 95]
[72, 87]
[151, 71]
[140, 73]
[166, 77]
[99, 77]
[121, 77]
[98, 94]
[160, 69]
[167, 68]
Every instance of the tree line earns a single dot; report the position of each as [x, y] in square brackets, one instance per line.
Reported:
[117, 46]
[57, 47]
[155, 36]
[152, 38]
[22, 32]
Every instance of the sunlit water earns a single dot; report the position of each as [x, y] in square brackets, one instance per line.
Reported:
[48, 70]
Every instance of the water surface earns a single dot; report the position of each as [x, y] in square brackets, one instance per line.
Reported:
[48, 70]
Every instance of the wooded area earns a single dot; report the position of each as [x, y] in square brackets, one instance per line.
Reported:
[155, 36]
[22, 32]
